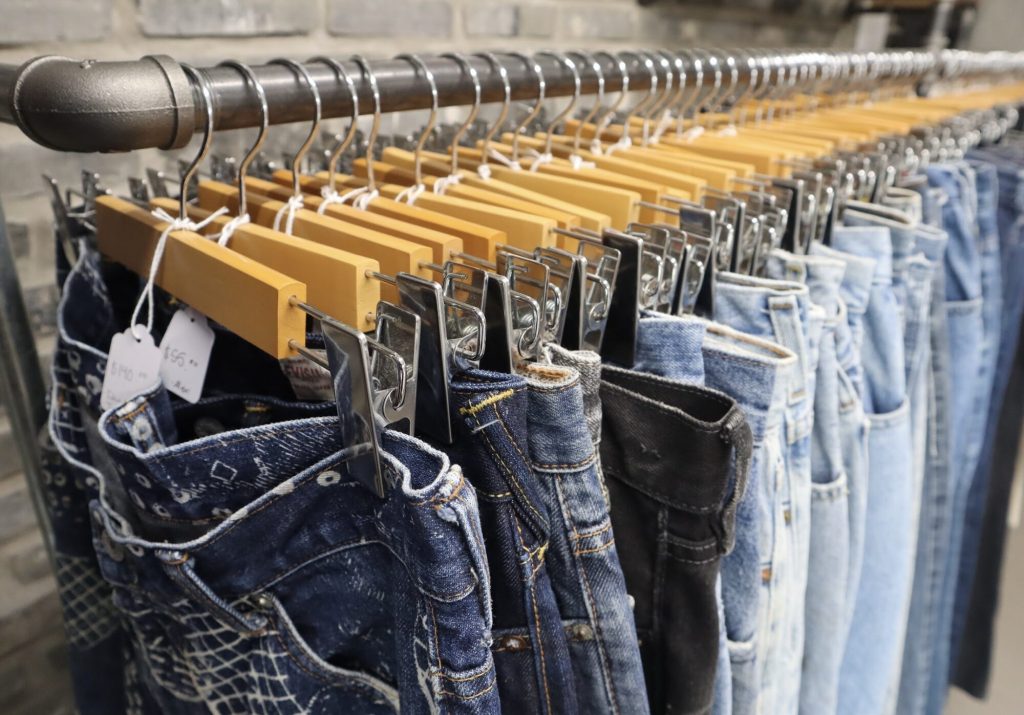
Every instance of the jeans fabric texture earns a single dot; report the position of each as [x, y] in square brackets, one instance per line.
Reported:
[781, 312]
[830, 518]
[666, 451]
[874, 646]
[531, 652]
[582, 558]
[225, 559]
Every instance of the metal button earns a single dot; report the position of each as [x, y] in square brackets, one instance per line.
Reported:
[581, 632]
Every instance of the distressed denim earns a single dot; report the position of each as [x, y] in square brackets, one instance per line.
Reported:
[874, 647]
[225, 559]
[992, 316]
[582, 559]
[531, 652]
[974, 621]
[753, 372]
[781, 312]
[966, 343]
[854, 292]
[670, 346]
[830, 518]
[667, 450]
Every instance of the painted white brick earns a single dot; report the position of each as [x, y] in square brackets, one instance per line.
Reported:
[390, 18]
[237, 18]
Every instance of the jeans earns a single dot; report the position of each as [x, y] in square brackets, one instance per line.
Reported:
[992, 316]
[830, 518]
[874, 647]
[966, 343]
[666, 450]
[781, 312]
[531, 652]
[978, 612]
[582, 559]
[226, 557]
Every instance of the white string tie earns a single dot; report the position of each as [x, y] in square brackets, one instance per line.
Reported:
[442, 184]
[484, 171]
[539, 159]
[502, 159]
[229, 229]
[363, 201]
[293, 204]
[663, 125]
[624, 142]
[728, 131]
[691, 135]
[578, 162]
[410, 194]
[173, 224]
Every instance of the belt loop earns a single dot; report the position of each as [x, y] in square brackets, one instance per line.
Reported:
[737, 433]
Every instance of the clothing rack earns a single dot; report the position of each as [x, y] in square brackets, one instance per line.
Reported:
[92, 106]
[85, 105]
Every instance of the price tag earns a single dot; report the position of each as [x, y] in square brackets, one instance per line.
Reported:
[186, 354]
[133, 367]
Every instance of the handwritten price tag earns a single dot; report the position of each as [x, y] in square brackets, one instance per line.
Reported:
[133, 366]
[185, 354]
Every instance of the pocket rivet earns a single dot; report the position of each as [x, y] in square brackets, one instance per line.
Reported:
[263, 602]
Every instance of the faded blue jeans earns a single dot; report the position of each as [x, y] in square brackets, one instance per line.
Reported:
[781, 312]
[874, 647]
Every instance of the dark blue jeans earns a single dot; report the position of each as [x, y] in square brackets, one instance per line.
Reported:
[229, 531]
[531, 651]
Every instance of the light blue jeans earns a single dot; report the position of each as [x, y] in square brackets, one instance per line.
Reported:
[825, 634]
[873, 652]
[781, 312]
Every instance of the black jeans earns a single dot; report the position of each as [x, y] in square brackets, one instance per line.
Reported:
[675, 459]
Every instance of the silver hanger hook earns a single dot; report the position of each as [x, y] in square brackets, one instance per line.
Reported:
[673, 105]
[564, 59]
[505, 106]
[204, 149]
[602, 122]
[535, 110]
[342, 74]
[416, 62]
[598, 103]
[469, 69]
[302, 72]
[698, 87]
[661, 97]
[649, 66]
[261, 137]
[371, 141]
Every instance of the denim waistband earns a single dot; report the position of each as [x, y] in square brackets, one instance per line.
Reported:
[900, 224]
[587, 364]
[906, 201]
[823, 275]
[692, 424]
[931, 242]
[319, 513]
[754, 370]
[857, 278]
[1010, 169]
[670, 345]
[558, 436]
[868, 242]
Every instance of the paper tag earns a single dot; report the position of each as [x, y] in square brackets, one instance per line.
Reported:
[186, 354]
[133, 367]
[308, 380]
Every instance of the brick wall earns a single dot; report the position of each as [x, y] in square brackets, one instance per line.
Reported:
[206, 31]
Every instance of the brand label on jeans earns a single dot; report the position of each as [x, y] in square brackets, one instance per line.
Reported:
[308, 380]
[185, 353]
[133, 366]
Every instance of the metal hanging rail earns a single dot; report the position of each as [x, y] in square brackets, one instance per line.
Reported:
[86, 106]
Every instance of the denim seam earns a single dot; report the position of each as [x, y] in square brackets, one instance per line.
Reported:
[594, 621]
[603, 547]
[474, 696]
[672, 385]
[537, 625]
[505, 467]
[576, 465]
[665, 500]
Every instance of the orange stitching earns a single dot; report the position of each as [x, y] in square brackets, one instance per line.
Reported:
[587, 534]
[581, 552]
[474, 696]
[483, 404]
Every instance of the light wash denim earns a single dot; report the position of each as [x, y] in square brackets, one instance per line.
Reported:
[854, 292]
[781, 312]
[966, 344]
[873, 652]
[936, 499]
[824, 640]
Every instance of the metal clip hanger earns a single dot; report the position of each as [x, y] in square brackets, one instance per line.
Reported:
[599, 264]
[699, 268]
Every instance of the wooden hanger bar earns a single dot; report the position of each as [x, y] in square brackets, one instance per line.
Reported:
[241, 294]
